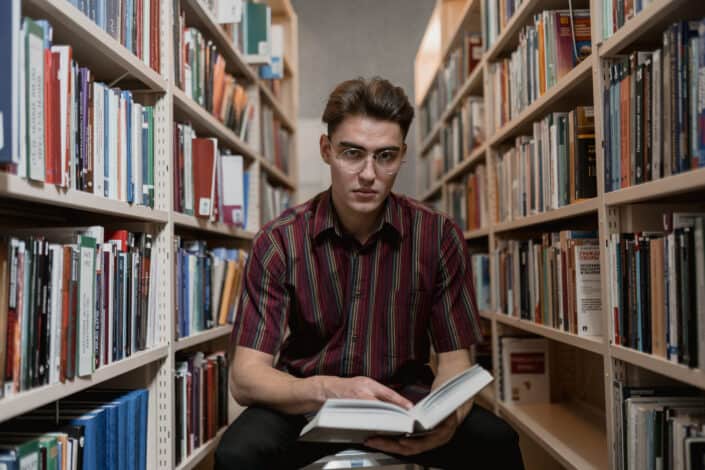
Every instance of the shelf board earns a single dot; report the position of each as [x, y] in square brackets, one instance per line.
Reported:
[472, 84]
[566, 212]
[487, 315]
[465, 164]
[694, 377]
[202, 337]
[276, 106]
[94, 48]
[693, 180]
[646, 27]
[571, 90]
[477, 233]
[23, 402]
[200, 18]
[277, 175]
[197, 223]
[593, 344]
[201, 452]
[207, 125]
[13, 186]
[463, 25]
[574, 439]
[509, 37]
[432, 191]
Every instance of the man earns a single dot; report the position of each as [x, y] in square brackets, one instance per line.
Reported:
[365, 282]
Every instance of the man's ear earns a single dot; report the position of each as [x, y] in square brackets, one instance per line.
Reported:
[326, 149]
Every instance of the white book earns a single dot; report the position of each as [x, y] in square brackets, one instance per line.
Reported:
[218, 266]
[35, 106]
[113, 161]
[137, 152]
[64, 107]
[98, 139]
[351, 420]
[587, 289]
[86, 305]
[57, 264]
[122, 150]
[22, 107]
[146, 30]
[525, 370]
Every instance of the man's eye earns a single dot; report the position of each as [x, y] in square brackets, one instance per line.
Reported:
[386, 155]
[352, 153]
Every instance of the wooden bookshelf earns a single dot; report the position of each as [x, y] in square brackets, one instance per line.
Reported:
[593, 344]
[203, 225]
[15, 187]
[21, 199]
[562, 213]
[574, 438]
[202, 337]
[201, 452]
[28, 400]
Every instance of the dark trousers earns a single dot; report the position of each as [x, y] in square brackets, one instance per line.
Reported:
[263, 439]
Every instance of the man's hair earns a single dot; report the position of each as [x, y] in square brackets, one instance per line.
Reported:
[375, 97]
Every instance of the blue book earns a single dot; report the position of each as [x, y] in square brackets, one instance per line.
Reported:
[94, 438]
[129, 11]
[246, 192]
[701, 87]
[106, 142]
[144, 158]
[128, 125]
[143, 396]
[9, 77]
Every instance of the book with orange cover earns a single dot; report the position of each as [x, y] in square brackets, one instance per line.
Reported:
[204, 155]
[228, 292]
[542, 55]
[218, 85]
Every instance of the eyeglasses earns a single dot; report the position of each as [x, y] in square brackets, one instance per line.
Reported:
[386, 161]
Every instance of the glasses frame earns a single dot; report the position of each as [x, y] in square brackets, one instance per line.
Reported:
[368, 153]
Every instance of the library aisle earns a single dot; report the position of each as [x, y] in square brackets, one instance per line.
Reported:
[144, 143]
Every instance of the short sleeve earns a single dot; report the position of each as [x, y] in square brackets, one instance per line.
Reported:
[264, 304]
[455, 322]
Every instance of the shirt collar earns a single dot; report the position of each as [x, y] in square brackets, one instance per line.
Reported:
[325, 218]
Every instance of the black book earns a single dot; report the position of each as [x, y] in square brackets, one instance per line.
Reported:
[688, 327]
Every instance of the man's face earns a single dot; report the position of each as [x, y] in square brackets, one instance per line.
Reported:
[365, 190]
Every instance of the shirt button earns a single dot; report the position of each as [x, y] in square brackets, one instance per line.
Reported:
[357, 293]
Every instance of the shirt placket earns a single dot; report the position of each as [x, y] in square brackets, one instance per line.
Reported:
[357, 298]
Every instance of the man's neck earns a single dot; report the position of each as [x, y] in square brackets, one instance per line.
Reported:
[360, 226]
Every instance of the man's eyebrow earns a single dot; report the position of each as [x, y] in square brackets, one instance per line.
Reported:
[345, 143]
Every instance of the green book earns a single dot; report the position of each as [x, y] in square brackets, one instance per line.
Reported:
[24, 452]
[34, 98]
[257, 23]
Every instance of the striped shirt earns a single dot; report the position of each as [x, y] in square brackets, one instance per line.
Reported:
[352, 309]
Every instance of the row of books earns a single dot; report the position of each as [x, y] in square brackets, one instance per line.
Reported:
[617, 12]
[553, 280]
[654, 101]
[554, 167]
[523, 370]
[450, 79]
[481, 280]
[276, 140]
[96, 428]
[72, 299]
[133, 23]
[208, 285]
[657, 289]
[273, 200]
[203, 77]
[73, 131]
[464, 133]
[208, 182]
[548, 49]
[657, 427]
[201, 400]
[466, 200]
[497, 15]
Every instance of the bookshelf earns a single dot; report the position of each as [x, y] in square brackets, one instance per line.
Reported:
[30, 203]
[576, 433]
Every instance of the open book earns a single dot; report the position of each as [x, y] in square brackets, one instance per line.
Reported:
[352, 420]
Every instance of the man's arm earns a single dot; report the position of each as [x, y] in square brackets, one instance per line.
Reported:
[254, 381]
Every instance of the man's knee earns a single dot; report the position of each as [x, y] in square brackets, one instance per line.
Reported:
[255, 439]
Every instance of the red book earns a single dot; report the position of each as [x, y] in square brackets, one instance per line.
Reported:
[204, 153]
[139, 7]
[52, 115]
[65, 281]
[121, 237]
[154, 35]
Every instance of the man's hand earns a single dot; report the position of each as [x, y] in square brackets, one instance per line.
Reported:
[440, 435]
[363, 388]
